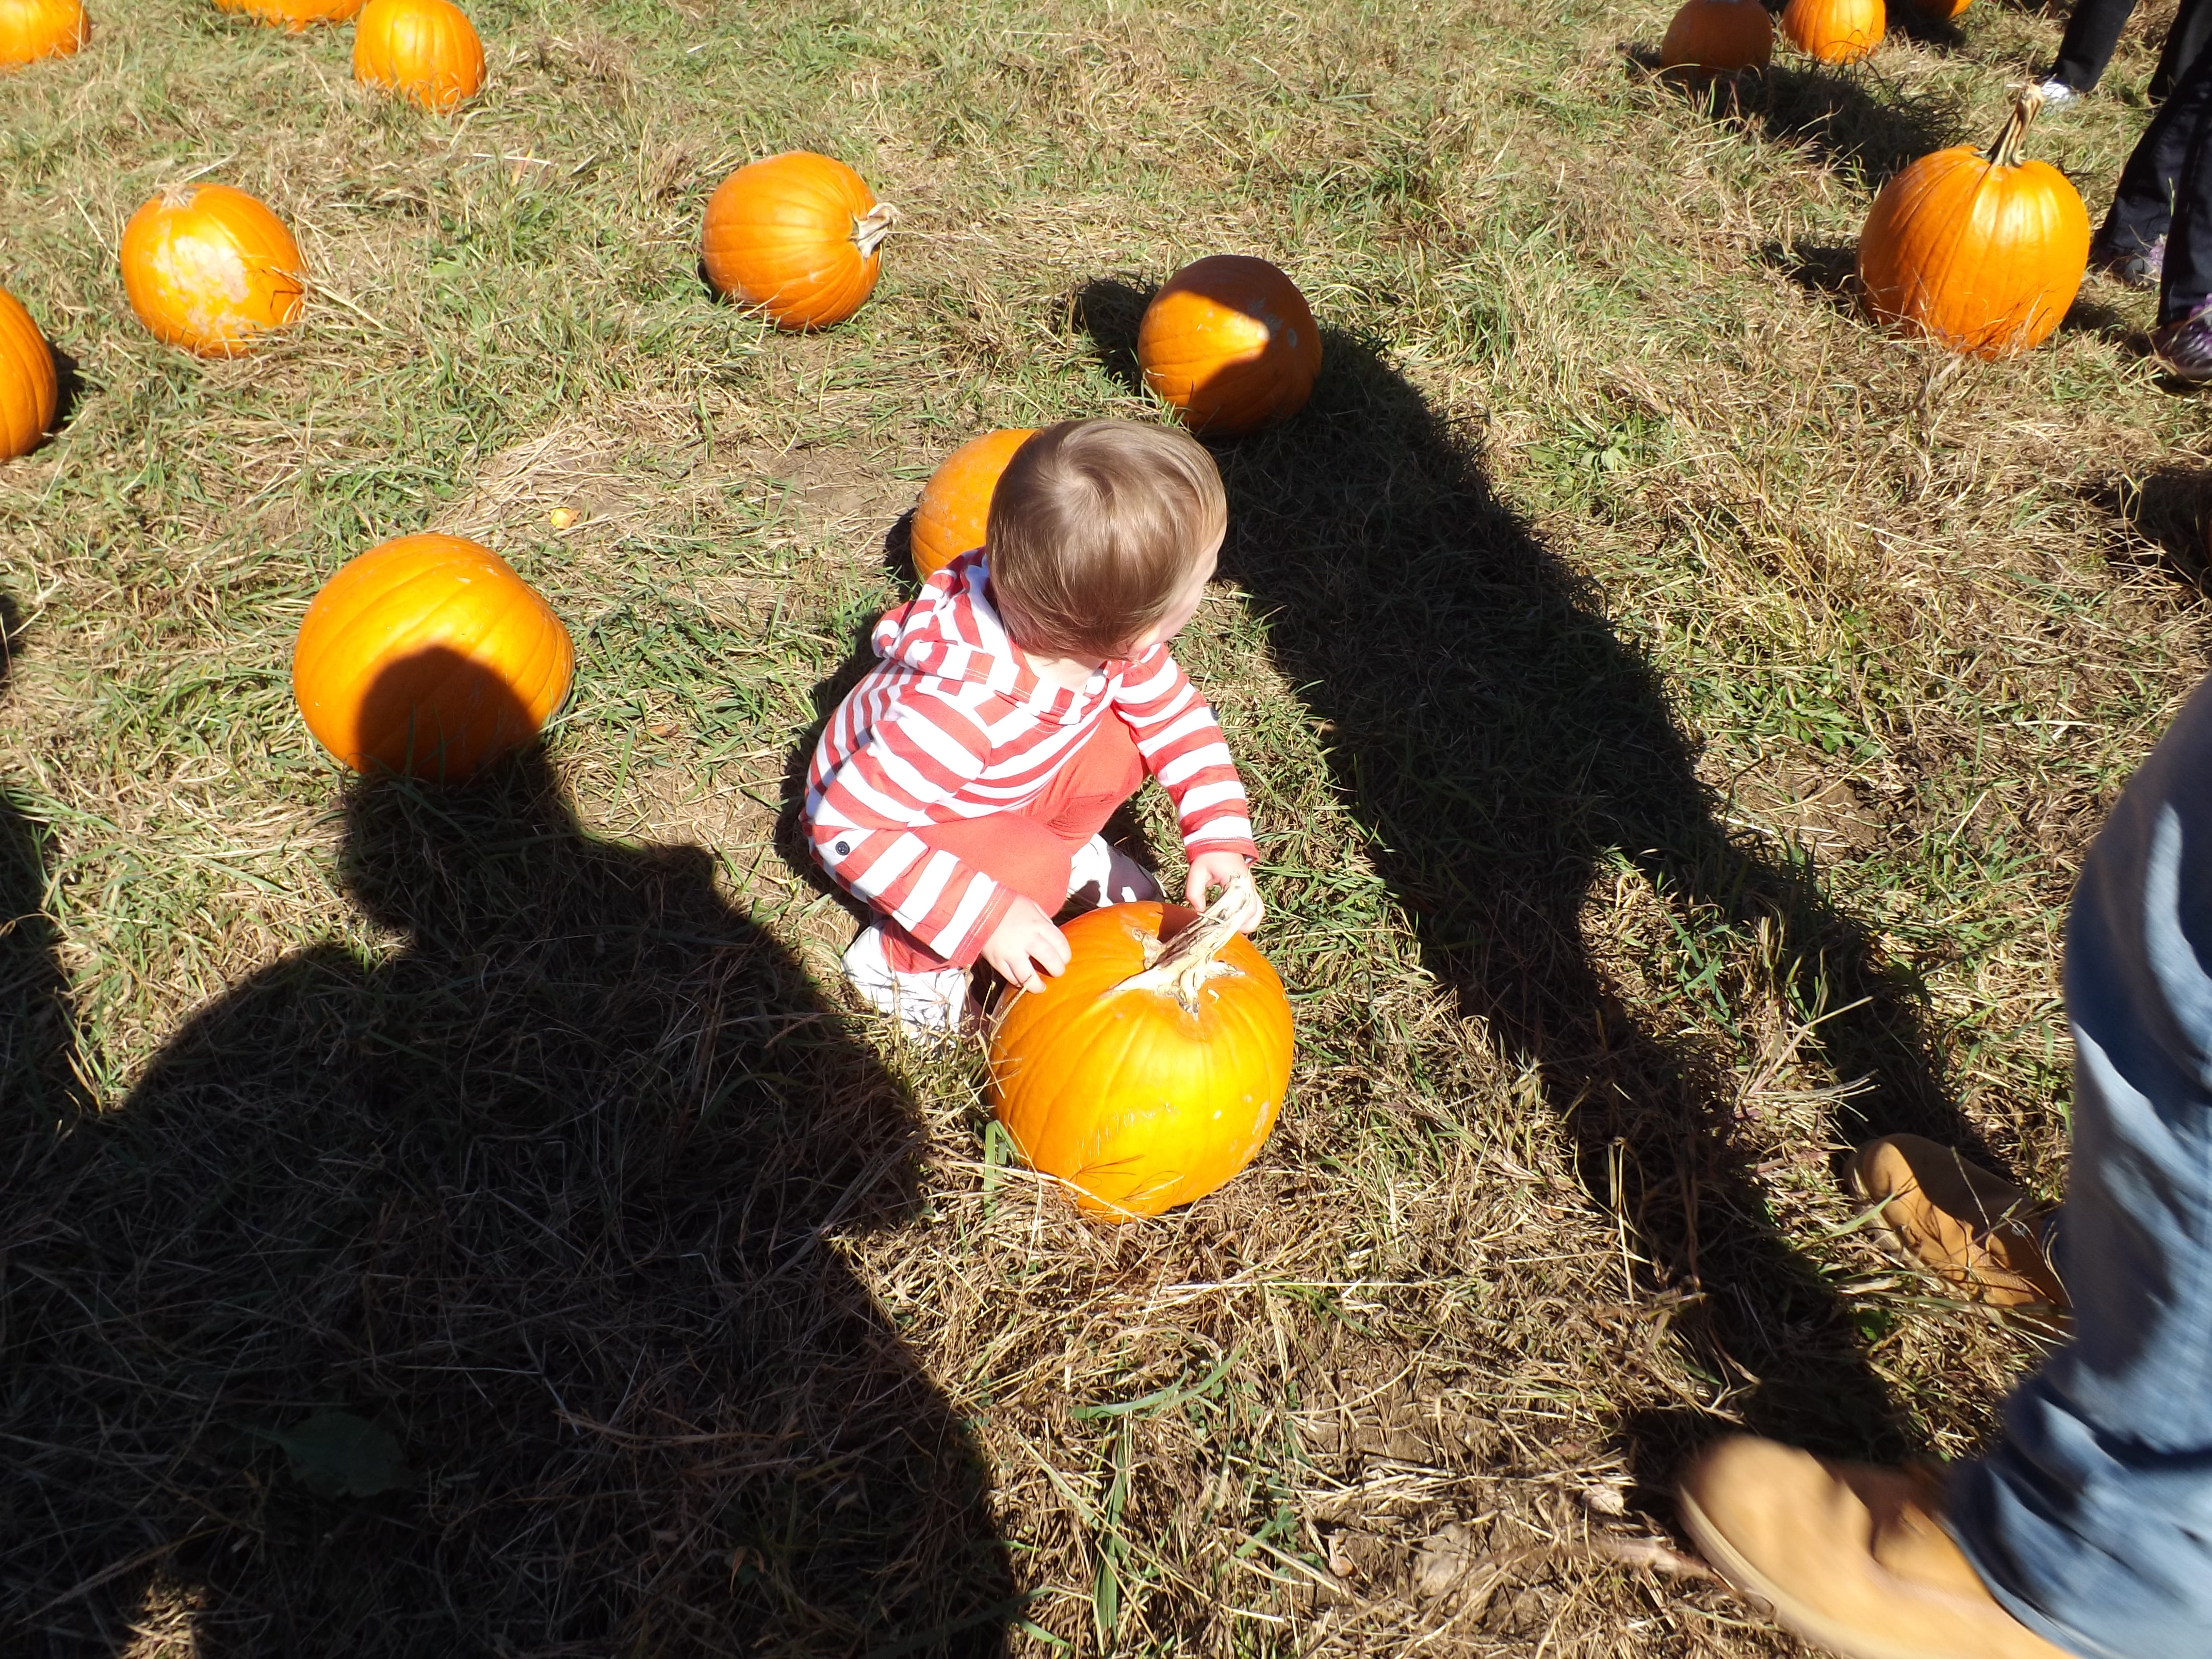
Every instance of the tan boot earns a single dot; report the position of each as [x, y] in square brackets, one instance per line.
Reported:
[1854, 1560]
[1971, 1227]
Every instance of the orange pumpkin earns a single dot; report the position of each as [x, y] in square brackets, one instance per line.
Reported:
[1718, 36]
[1943, 10]
[32, 29]
[1145, 1076]
[428, 655]
[211, 269]
[293, 15]
[1980, 252]
[29, 391]
[955, 503]
[1230, 342]
[425, 50]
[1835, 31]
[798, 236]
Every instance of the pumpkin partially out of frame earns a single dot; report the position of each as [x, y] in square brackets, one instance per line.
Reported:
[1836, 31]
[1980, 251]
[1153, 1070]
[798, 236]
[32, 29]
[1940, 10]
[211, 269]
[428, 655]
[30, 392]
[1719, 37]
[1230, 342]
[296, 16]
[955, 509]
[425, 50]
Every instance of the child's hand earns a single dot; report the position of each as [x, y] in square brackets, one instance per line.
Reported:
[1026, 935]
[1218, 870]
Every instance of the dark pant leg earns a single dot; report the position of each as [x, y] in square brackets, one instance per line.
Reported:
[2187, 282]
[2142, 206]
[2184, 44]
[2091, 34]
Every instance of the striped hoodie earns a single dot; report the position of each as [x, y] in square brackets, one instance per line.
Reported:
[952, 724]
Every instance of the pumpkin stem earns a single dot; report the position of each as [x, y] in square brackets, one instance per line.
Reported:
[177, 196]
[1188, 961]
[870, 228]
[2005, 152]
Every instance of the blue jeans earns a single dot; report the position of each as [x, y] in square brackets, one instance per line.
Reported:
[2092, 1519]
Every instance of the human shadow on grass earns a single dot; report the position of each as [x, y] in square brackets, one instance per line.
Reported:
[479, 1296]
[1831, 114]
[1505, 745]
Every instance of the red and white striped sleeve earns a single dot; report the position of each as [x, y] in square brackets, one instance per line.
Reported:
[904, 746]
[1183, 747]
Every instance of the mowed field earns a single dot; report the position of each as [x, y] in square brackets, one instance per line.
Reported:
[1674, 711]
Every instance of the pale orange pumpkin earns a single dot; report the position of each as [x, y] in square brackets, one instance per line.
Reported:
[1718, 36]
[425, 50]
[1982, 252]
[211, 269]
[798, 236]
[1836, 31]
[32, 29]
[955, 503]
[1145, 1076]
[1230, 342]
[29, 390]
[428, 655]
[295, 16]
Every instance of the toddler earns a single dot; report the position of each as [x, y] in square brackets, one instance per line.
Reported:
[960, 789]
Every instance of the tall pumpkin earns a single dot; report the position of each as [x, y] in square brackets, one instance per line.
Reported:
[295, 16]
[1981, 251]
[428, 654]
[798, 236]
[425, 50]
[1230, 342]
[955, 509]
[29, 390]
[211, 269]
[1835, 31]
[32, 29]
[1151, 1071]
[1718, 36]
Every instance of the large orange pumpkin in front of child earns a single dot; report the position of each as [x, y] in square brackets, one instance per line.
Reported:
[32, 29]
[1718, 36]
[428, 655]
[424, 49]
[1153, 1070]
[1836, 31]
[955, 509]
[798, 236]
[30, 392]
[296, 16]
[211, 269]
[1230, 342]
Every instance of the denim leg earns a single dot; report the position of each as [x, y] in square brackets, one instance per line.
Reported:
[2184, 44]
[2092, 1519]
[2091, 34]
[2143, 205]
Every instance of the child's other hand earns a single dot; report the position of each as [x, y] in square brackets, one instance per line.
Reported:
[1218, 870]
[1024, 937]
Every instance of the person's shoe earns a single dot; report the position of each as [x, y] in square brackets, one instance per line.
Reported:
[2058, 92]
[1966, 1224]
[2130, 267]
[1854, 1560]
[2185, 348]
[933, 1004]
[1102, 873]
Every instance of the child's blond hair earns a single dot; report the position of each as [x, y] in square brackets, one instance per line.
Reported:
[1095, 528]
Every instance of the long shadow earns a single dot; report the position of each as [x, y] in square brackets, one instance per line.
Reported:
[479, 1298]
[1503, 742]
[1831, 114]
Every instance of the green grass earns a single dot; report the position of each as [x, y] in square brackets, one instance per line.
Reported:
[1673, 713]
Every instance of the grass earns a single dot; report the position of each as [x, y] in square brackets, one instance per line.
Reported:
[1674, 711]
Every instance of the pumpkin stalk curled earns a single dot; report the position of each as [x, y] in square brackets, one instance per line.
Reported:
[1184, 964]
[2005, 152]
[872, 227]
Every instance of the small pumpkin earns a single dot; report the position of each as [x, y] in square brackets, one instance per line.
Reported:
[1981, 251]
[1153, 1070]
[32, 29]
[798, 236]
[955, 503]
[295, 16]
[1836, 31]
[1940, 10]
[211, 269]
[428, 655]
[1719, 37]
[1230, 342]
[30, 392]
[425, 50]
